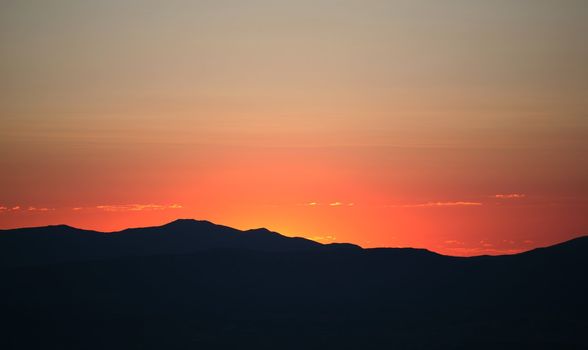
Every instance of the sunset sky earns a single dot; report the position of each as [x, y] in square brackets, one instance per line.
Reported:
[460, 126]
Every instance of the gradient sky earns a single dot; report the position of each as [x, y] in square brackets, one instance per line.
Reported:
[458, 126]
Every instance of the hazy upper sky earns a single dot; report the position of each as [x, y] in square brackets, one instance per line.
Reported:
[459, 126]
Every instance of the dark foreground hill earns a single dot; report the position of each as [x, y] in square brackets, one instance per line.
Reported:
[195, 285]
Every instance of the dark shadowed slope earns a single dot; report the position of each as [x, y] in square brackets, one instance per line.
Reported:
[234, 294]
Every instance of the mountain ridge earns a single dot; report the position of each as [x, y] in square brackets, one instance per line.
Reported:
[146, 288]
[62, 243]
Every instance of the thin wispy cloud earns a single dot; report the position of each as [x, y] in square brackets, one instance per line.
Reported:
[136, 207]
[4, 208]
[509, 196]
[39, 209]
[439, 204]
[324, 239]
[485, 247]
[331, 204]
[486, 244]
[453, 241]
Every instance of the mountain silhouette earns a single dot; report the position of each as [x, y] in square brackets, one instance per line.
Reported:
[62, 243]
[194, 284]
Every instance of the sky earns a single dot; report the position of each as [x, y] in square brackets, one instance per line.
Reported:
[457, 126]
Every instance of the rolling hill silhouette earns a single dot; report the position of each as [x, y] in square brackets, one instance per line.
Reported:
[62, 243]
[193, 284]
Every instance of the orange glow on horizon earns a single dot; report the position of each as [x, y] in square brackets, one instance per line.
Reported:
[459, 127]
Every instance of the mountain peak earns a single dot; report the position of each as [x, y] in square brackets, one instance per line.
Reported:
[188, 222]
[260, 229]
